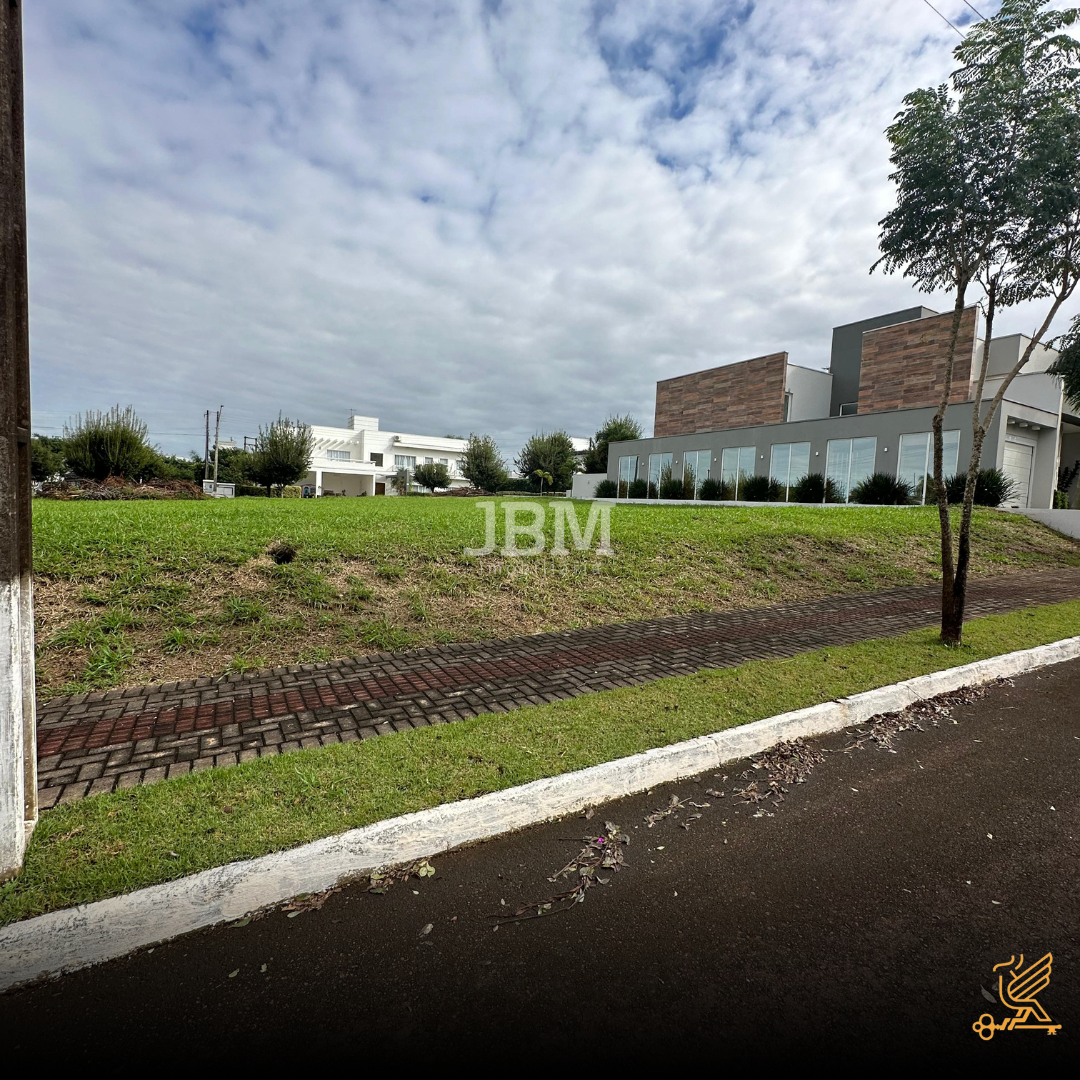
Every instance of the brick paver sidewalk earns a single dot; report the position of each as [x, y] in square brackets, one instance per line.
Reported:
[118, 738]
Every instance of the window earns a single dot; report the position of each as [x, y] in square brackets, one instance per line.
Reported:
[659, 470]
[698, 462]
[789, 463]
[376, 459]
[788, 397]
[429, 461]
[736, 466]
[627, 473]
[915, 462]
[848, 462]
[339, 455]
[404, 461]
[444, 461]
[849, 408]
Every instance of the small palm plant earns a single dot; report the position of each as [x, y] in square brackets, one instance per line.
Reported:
[543, 476]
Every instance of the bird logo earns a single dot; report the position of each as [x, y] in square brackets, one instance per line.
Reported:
[1020, 994]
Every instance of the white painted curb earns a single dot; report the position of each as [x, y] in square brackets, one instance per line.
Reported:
[78, 937]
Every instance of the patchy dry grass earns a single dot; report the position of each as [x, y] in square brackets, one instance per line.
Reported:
[135, 592]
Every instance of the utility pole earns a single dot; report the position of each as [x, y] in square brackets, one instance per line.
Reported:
[18, 734]
[206, 451]
[217, 433]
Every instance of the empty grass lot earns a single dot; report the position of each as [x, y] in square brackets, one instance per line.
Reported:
[111, 844]
[136, 592]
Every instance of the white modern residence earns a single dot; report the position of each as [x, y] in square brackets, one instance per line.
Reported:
[362, 460]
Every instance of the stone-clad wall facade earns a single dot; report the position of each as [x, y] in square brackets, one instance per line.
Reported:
[903, 366]
[736, 395]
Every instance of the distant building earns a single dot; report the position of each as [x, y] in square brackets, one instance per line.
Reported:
[362, 460]
[870, 412]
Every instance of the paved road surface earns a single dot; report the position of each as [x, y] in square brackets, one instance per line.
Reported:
[861, 919]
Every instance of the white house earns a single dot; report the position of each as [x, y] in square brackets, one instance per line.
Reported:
[362, 460]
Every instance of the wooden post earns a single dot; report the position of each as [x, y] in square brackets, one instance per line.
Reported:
[18, 737]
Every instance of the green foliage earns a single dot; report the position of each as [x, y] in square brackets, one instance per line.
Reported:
[639, 489]
[713, 490]
[282, 454]
[814, 488]
[1067, 364]
[670, 487]
[432, 476]
[607, 489]
[614, 429]
[551, 453]
[482, 465]
[400, 481]
[881, 489]
[760, 489]
[102, 444]
[46, 457]
[992, 488]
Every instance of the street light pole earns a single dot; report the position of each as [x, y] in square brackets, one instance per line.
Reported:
[18, 736]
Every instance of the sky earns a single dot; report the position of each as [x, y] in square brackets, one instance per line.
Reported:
[455, 215]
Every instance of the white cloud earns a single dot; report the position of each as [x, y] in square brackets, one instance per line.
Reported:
[453, 215]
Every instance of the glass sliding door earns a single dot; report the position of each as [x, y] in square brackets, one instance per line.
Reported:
[627, 474]
[848, 462]
[789, 463]
[659, 470]
[915, 462]
[696, 468]
[736, 466]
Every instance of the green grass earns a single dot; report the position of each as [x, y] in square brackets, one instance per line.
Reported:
[391, 573]
[111, 844]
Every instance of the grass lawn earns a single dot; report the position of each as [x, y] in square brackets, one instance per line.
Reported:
[135, 592]
[111, 844]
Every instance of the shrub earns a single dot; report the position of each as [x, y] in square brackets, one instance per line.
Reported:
[881, 489]
[102, 444]
[670, 488]
[250, 491]
[482, 465]
[714, 490]
[551, 453]
[992, 488]
[761, 489]
[282, 454]
[432, 476]
[615, 429]
[606, 489]
[814, 488]
[46, 457]
[639, 489]
[291, 491]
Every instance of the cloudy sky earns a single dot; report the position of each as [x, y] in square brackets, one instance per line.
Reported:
[456, 215]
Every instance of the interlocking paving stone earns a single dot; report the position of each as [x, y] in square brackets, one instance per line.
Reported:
[93, 741]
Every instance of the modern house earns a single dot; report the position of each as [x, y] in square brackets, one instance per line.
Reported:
[362, 460]
[871, 411]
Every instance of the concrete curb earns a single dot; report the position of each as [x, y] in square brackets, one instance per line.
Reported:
[79, 937]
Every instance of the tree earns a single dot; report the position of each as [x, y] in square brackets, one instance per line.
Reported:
[282, 454]
[482, 464]
[432, 476]
[401, 481]
[1067, 364]
[550, 453]
[614, 429]
[987, 172]
[46, 457]
[102, 444]
[541, 475]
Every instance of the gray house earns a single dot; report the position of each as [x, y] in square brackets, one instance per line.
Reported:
[870, 412]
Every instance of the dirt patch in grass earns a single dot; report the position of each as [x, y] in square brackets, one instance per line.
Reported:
[158, 595]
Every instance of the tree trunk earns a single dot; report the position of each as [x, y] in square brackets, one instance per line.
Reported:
[949, 634]
[955, 614]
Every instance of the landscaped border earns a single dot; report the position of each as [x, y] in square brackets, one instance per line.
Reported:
[73, 938]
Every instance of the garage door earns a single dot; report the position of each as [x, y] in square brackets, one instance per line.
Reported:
[1017, 467]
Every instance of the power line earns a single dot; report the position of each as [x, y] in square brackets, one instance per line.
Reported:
[946, 19]
[976, 10]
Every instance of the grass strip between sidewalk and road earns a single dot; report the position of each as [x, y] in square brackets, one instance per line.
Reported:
[112, 844]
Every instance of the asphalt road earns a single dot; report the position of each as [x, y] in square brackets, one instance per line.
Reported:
[860, 918]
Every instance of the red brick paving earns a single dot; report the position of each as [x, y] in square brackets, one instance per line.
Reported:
[95, 742]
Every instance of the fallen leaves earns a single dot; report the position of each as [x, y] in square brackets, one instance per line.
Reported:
[381, 879]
